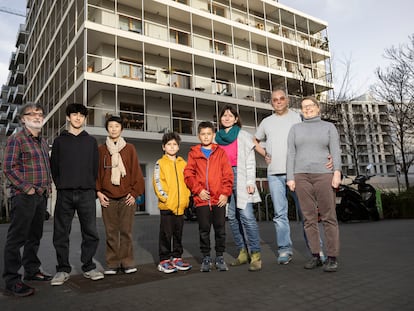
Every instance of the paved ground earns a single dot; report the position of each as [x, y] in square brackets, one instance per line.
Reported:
[376, 273]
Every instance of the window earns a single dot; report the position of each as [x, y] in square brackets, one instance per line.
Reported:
[130, 69]
[218, 47]
[182, 122]
[179, 37]
[132, 116]
[215, 9]
[130, 24]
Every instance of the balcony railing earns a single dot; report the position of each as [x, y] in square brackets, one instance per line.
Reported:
[162, 32]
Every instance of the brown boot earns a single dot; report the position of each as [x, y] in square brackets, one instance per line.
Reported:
[256, 262]
[242, 259]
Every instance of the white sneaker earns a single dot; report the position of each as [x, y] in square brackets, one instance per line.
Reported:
[130, 270]
[110, 271]
[94, 275]
[60, 278]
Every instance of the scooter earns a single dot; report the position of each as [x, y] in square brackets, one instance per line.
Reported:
[357, 204]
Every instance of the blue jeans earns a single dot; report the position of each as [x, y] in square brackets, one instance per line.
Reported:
[84, 203]
[243, 222]
[277, 186]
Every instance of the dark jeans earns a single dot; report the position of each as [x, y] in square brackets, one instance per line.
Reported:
[84, 203]
[216, 217]
[26, 229]
[171, 227]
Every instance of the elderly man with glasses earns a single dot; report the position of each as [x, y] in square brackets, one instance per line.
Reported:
[26, 166]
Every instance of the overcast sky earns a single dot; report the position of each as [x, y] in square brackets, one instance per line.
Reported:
[359, 30]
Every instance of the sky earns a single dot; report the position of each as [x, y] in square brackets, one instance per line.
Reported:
[358, 30]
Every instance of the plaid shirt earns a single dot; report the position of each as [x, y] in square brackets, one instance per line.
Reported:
[26, 163]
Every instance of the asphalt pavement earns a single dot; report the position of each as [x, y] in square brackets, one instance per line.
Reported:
[376, 272]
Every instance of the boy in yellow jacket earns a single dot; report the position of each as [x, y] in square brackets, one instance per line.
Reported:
[173, 198]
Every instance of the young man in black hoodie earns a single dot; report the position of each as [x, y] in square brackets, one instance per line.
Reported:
[74, 165]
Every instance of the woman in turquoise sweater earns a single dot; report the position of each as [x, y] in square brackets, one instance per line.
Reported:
[239, 147]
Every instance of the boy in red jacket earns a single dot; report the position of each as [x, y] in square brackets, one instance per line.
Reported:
[209, 177]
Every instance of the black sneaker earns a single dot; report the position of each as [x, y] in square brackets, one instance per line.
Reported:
[313, 263]
[39, 276]
[19, 289]
[331, 265]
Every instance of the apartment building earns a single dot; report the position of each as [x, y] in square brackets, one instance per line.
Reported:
[366, 137]
[167, 65]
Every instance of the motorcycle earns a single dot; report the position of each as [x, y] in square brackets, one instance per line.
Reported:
[359, 203]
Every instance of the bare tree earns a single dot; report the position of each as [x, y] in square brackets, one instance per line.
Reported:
[395, 86]
[343, 97]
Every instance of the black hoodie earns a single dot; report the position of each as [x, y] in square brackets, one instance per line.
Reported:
[74, 161]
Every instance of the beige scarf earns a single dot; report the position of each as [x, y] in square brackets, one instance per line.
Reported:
[118, 168]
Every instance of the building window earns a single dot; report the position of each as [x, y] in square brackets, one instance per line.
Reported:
[132, 116]
[217, 10]
[130, 24]
[130, 69]
[182, 122]
[179, 37]
[218, 47]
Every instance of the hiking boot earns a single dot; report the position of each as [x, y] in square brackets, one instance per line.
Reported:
[94, 275]
[19, 289]
[331, 265]
[206, 264]
[242, 259]
[59, 278]
[256, 262]
[284, 258]
[221, 264]
[313, 263]
[166, 266]
[180, 265]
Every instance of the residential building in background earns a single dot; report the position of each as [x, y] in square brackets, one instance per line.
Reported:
[168, 65]
[366, 137]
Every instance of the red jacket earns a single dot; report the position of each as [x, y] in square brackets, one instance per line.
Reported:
[213, 174]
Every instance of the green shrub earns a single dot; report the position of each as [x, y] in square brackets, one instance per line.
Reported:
[400, 205]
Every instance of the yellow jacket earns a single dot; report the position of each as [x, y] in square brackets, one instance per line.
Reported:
[169, 185]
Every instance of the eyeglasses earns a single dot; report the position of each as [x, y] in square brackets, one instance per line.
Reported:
[278, 98]
[108, 166]
[306, 107]
[34, 114]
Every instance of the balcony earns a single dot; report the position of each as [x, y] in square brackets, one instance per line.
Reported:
[234, 49]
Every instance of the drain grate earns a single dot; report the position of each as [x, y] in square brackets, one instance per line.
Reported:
[145, 274]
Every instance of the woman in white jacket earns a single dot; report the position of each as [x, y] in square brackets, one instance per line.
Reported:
[239, 147]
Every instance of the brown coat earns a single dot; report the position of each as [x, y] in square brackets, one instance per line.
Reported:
[132, 183]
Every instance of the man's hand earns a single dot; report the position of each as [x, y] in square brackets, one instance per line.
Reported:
[268, 158]
[222, 200]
